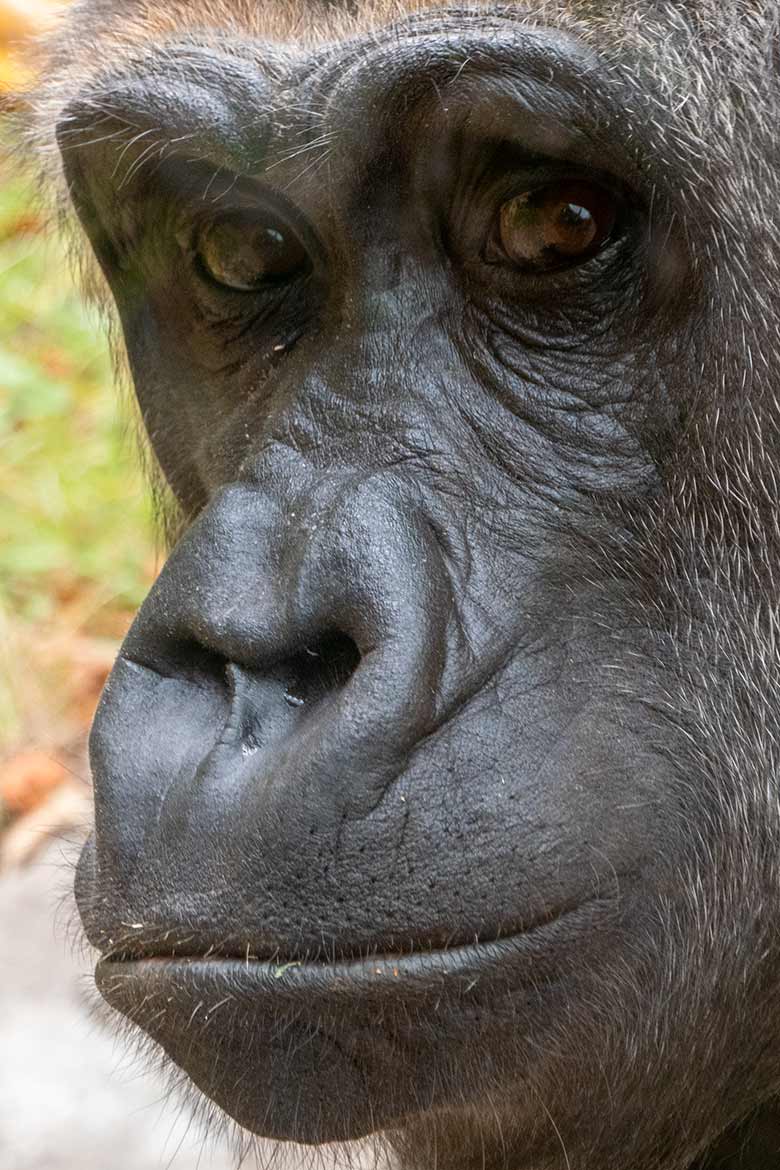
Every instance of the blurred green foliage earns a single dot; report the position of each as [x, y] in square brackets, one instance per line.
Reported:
[77, 547]
[74, 516]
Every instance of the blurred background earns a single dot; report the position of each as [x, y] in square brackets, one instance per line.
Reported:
[77, 554]
[76, 540]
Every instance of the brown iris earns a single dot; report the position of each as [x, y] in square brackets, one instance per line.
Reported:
[242, 253]
[556, 226]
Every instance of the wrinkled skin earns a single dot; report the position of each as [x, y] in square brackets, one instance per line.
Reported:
[436, 779]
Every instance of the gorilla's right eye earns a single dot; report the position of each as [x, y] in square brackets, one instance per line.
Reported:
[242, 253]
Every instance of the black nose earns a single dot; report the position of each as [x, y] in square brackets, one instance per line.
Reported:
[290, 655]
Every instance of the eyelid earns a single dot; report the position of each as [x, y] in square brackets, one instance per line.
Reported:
[534, 173]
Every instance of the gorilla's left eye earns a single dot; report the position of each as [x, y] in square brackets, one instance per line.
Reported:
[555, 226]
[242, 254]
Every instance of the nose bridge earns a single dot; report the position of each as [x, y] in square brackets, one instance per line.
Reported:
[369, 392]
[355, 554]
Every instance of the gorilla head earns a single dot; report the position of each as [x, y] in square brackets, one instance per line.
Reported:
[436, 782]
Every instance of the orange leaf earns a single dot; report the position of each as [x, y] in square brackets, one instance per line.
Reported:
[23, 18]
[28, 779]
[19, 21]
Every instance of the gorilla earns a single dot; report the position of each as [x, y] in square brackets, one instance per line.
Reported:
[437, 789]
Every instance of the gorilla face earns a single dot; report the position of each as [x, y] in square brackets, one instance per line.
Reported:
[434, 781]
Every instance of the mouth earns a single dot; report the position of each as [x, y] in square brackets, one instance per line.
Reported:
[317, 1051]
[374, 974]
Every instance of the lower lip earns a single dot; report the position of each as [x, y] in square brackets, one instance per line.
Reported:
[301, 1027]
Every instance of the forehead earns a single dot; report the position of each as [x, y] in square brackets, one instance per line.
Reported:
[660, 47]
[293, 37]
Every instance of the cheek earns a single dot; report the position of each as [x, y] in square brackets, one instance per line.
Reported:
[191, 415]
[553, 793]
[564, 428]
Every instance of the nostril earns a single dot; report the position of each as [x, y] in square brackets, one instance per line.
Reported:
[185, 659]
[265, 706]
[320, 668]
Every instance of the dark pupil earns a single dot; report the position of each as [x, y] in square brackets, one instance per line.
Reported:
[572, 229]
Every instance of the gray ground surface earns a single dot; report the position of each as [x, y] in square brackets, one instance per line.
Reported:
[69, 1098]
